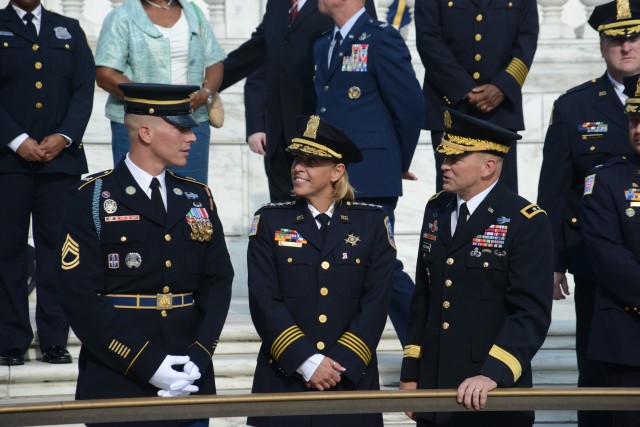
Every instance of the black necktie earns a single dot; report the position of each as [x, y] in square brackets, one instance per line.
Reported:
[323, 219]
[156, 197]
[335, 53]
[462, 220]
[30, 25]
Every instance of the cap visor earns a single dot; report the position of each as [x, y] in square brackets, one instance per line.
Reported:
[183, 120]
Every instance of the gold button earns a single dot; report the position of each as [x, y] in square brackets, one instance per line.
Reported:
[450, 4]
[270, 361]
[478, 37]
[320, 345]
[322, 318]
[325, 88]
[165, 290]
[448, 283]
[446, 304]
[485, 264]
[38, 105]
[38, 85]
[167, 237]
[574, 220]
[449, 261]
[123, 239]
[592, 148]
[476, 75]
[357, 260]
[5, 44]
[38, 65]
[168, 264]
[66, 45]
[289, 260]
[479, 17]
[478, 57]
[445, 325]
[348, 203]
[510, 4]
[151, 110]
[35, 47]
[164, 313]
[324, 292]
[325, 265]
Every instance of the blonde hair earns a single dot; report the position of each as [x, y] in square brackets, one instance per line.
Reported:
[342, 189]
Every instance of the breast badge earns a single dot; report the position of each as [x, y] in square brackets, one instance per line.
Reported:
[110, 206]
[201, 227]
[493, 237]
[289, 238]
[130, 190]
[354, 92]
[357, 62]
[133, 260]
[352, 240]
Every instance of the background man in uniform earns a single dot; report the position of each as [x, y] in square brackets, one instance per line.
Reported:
[588, 127]
[610, 228]
[145, 269]
[282, 44]
[366, 86]
[476, 55]
[47, 78]
[484, 277]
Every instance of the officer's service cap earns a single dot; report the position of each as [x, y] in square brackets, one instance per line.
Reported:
[171, 102]
[319, 138]
[617, 19]
[464, 135]
[632, 90]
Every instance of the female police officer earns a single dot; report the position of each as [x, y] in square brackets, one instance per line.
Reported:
[320, 275]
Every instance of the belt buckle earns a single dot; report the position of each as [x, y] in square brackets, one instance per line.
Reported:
[164, 301]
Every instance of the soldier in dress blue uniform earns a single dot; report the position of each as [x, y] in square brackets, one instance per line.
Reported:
[588, 127]
[610, 224]
[484, 277]
[145, 270]
[47, 78]
[476, 55]
[366, 85]
[320, 274]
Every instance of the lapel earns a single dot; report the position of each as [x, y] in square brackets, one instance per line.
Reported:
[309, 7]
[49, 22]
[138, 201]
[444, 223]
[322, 63]
[609, 104]
[339, 227]
[178, 204]
[12, 22]
[345, 47]
[305, 224]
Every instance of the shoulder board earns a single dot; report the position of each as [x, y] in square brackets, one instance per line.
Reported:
[582, 86]
[435, 196]
[194, 181]
[363, 205]
[278, 205]
[532, 210]
[613, 161]
[90, 178]
[377, 23]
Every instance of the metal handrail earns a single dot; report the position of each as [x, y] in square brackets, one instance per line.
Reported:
[52, 412]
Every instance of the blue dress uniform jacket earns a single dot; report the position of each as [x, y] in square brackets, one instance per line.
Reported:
[117, 244]
[588, 127]
[46, 87]
[374, 96]
[307, 297]
[610, 224]
[464, 44]
[482, 304]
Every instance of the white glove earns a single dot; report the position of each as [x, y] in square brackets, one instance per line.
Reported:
[172, 393]
[191, 369]
[166, 376]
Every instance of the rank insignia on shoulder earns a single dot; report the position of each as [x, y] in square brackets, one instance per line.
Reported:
[589, 183]
[532, 210]
[435, 196]
[70, 254]
[253, 230]
[387, 224]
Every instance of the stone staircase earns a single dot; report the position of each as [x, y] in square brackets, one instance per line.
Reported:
[234, 361]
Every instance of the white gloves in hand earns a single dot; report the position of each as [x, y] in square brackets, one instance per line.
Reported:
[175, 383]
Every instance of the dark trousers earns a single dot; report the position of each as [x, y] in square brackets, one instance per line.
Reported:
[403, 286]
[278, 169]
[622, 376]
[509, 173]
[41, 196]
[479, 419]
[590, 372]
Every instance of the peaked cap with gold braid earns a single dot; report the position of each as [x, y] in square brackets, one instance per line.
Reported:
[617, 19]
[632, 90]
[171, 102]
[464, 135]
[319, 138]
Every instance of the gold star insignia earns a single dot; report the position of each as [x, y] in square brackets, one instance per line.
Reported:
[352, 240]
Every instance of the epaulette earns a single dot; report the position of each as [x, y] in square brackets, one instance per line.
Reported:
[580, 87]
[613, 161]
[377, 23]
[278, 205]
[90, 178]
[532, 210]
[435, 196]
[363, 205]
[194, 181]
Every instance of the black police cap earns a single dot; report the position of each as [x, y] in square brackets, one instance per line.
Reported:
[617, 19]
[319, 138]
[464, 135]
[171, 102]
[632, 90]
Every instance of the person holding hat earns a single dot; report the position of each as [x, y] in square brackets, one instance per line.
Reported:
[484, 277]
[145, 270]
[588, 127]
[320, 276]
[610, 227]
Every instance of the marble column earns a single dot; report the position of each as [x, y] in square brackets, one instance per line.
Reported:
[116, 3]
[217, 17]
[73, 9]
[585, 31]
[552, 26]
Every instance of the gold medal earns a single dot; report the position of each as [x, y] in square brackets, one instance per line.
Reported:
[354, 92]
